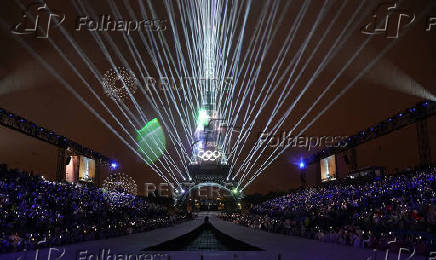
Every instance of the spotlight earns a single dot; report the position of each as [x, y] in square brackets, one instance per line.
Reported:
[235, 191]
[302, 165]
[114, 165]
[182, 191]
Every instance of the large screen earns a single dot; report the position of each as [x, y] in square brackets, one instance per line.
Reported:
[86, 169]
[72, 169]
[328, 168]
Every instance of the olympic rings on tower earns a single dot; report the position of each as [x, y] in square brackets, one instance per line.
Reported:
[209, 155]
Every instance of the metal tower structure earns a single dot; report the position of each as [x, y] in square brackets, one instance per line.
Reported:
[66, 147]
[414, 115]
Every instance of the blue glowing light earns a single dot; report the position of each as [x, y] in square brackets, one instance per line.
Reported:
[302, 165]
[114, 165]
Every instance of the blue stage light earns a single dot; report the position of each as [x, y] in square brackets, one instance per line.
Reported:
[114, 165]
[302, 165]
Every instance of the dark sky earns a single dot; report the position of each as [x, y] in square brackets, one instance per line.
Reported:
[29, 90]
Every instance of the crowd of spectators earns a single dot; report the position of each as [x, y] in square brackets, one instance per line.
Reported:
[366, 212]
[38, 213]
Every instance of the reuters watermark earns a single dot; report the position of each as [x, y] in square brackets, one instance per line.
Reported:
[178, 83]
[286, 140]
[188, 189]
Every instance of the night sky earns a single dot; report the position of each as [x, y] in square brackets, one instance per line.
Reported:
[29, 90]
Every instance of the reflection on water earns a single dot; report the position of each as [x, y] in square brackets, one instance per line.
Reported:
[204, 238]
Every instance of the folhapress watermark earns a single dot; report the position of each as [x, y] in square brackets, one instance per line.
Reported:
[38, 20]
[408, 253]
[105, 23]
[106, 254]
[286, 140]
[389, 19]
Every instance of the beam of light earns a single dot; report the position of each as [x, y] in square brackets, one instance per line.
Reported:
[285, 94]
[92, 68]
[147, 138]
[173, 70]
[120, 104]
[269, 160]
[327, 58]
[70, 88]
[280, 59]
[391, 77]
[22, 78]
[108, 56]
[334, 49]
[279, 62]
[206, 46]
[156, 60]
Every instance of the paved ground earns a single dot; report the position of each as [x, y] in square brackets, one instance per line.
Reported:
[275, 247]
